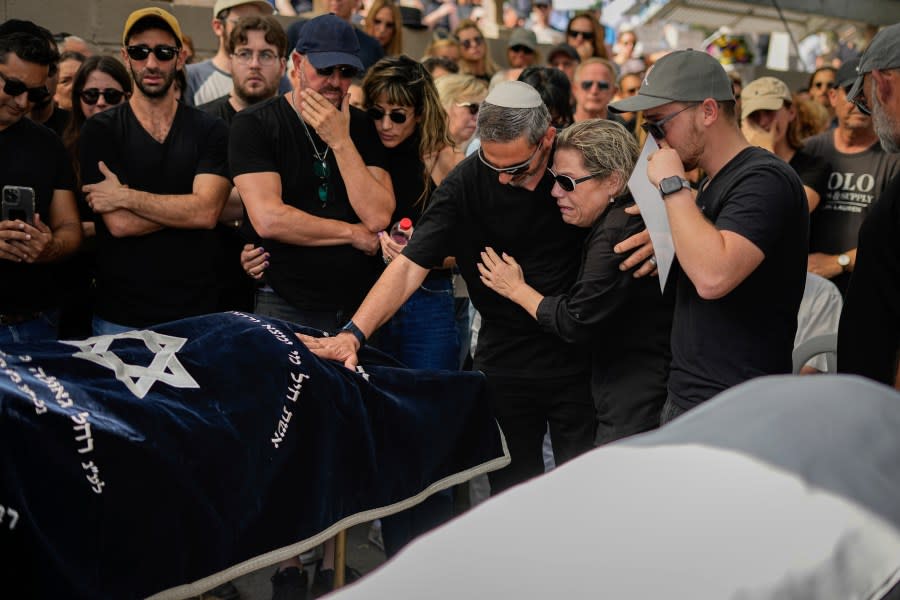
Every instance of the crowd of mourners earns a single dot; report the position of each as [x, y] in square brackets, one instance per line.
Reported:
[141, 187]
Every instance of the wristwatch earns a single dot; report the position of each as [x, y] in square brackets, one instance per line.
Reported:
[673, 184]
[351, 328]
[844, 261]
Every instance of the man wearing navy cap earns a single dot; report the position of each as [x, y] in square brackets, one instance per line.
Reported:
[740, 243]
[869, 332]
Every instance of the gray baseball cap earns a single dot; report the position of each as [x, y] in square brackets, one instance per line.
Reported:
[883, 53]
[682, 76]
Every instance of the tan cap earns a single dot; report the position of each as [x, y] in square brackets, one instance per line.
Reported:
[152, 11]
[226, 4]
[765, 93]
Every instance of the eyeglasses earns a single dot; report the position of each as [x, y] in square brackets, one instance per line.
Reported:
[566, 182]
[377, 114]
[162, 52]
[656, 128]
[266, 58]
[345, 71]
[585, 35]
[322, 171]
[471, 106]
[15, 88]
[513, 170]
[518, 48]
[91, 96]
[475, 41]
[588, 84]
[859, 100]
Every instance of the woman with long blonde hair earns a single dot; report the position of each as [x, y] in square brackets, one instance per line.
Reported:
[475, 59]
[385, 23]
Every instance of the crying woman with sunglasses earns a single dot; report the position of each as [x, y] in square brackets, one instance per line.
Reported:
[623, 321]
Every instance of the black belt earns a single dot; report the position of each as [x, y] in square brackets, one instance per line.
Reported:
[17, 318]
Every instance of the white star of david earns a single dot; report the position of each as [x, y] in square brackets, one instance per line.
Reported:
[165, 366]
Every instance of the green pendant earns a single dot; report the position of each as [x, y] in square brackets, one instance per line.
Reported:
[320, 168]
[323, 193]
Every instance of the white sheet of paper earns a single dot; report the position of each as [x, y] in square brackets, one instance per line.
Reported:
[653, 211]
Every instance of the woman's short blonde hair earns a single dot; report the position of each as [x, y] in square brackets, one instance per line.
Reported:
[451, 88]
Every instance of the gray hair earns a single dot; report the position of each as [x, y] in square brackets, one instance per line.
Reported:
[606, 148]
[502, 124]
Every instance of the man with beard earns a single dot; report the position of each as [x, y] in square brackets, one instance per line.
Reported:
[155, 174]
[869, 332]
[257, 65]
[859, 171]
[740, 244]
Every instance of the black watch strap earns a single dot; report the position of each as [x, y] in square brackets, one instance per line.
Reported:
[351, 327]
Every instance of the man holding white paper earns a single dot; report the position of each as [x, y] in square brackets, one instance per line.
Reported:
[740, 245]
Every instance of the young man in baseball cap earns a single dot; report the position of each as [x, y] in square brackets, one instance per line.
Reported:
[740, 242]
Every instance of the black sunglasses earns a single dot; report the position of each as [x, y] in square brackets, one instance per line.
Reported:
[824, 84]
[587, 84]
[162, 52]
[475, 41]
[15, 88]
[566, 182]
[91, 96]
[471, 106]
[587, 35]
[345, 71]
[377, 114]
[859, 100]
[657, 128]
[513, 170]
[520, 48]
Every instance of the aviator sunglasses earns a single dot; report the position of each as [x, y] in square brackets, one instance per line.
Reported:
[91, 96]
[567, 183]
[162, 52]
[377, 114]
[345, 71]
[15, 88]
[587, 84]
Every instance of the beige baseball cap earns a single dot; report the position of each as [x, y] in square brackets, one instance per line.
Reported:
[765, 93]
[226, 4]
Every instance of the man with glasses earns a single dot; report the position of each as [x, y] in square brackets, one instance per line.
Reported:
[211, 78]
[593, 89]
[500, 198]
[820, 83]
[870, 321]
[740, 244]
[40, 223]
[155, 175]
[858, 171]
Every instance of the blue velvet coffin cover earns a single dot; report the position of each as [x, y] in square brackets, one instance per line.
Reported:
[175, 459]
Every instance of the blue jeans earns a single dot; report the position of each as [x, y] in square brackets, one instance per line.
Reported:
[103, 327]
[422, 334]
[41, 329]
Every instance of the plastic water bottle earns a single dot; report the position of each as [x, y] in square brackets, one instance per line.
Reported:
[401, 231]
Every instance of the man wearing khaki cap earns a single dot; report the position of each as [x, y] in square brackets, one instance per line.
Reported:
[869, 333]
[740, 244]
[211, 79]
[767, 121]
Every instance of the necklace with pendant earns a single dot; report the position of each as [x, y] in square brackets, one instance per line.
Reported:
[320, 166]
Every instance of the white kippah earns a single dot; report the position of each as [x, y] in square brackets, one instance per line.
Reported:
[514, 94]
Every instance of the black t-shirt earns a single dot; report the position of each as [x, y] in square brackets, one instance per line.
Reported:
[269, 137]
[167, 274]
[220, 107]
[32, 156]
[58, 120]
[869, 333]
[470, 210]
[812, 170]
[750, 331]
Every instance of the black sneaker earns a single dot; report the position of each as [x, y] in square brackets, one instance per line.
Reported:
[290, 584]
[324, 580]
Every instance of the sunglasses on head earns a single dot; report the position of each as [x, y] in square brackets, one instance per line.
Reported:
[567, 183]
[91, 96]
[657, 128]
[588, 84]
[475, 41]
[471, 106]
[15, 88]
[377, 114]
[585, 35]
[162, 52]
[513, 170]
[345, 71]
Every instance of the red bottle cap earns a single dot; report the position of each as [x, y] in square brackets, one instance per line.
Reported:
[405, 223]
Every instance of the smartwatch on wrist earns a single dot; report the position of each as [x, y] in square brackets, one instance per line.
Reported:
[351, 327]
[673, 184]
